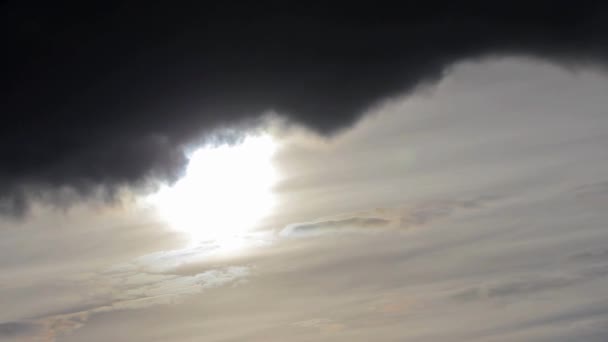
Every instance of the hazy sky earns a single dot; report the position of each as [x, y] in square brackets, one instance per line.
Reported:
[472, 210]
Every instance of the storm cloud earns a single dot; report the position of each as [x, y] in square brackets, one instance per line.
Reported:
[106, 96]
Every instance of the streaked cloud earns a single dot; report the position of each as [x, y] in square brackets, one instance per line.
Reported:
[353, 223]
[130, 286]
[406, 217]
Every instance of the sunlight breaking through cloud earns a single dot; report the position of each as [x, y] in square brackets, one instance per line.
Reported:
[226, 190]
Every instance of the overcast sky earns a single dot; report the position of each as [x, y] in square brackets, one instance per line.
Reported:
[472, 210]
[304, 172]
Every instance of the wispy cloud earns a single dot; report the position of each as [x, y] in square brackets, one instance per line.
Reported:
[129, 286]
[404, 217]
[329, 226]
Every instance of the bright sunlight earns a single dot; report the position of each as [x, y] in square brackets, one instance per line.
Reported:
[226, 190]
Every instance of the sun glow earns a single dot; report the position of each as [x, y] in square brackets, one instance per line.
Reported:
[226, 190]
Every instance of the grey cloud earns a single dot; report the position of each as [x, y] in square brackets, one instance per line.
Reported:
[596, 255]
[597, 188]
[519, 288]
[353, 223]
[426, 212]
[18, 329]
[592, 312]
[592, 195]
[405, 217]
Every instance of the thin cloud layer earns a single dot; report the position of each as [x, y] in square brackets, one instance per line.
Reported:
[353, 223]
[131, 286]
[107, 96]
[18, 330]
[405, 217]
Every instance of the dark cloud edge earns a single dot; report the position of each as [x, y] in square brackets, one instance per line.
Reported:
[97, 99]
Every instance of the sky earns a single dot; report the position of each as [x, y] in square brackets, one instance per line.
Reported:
[193, 173]
[434, 218]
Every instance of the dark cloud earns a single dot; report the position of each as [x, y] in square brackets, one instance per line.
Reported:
[16, 329]
[107, 95]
